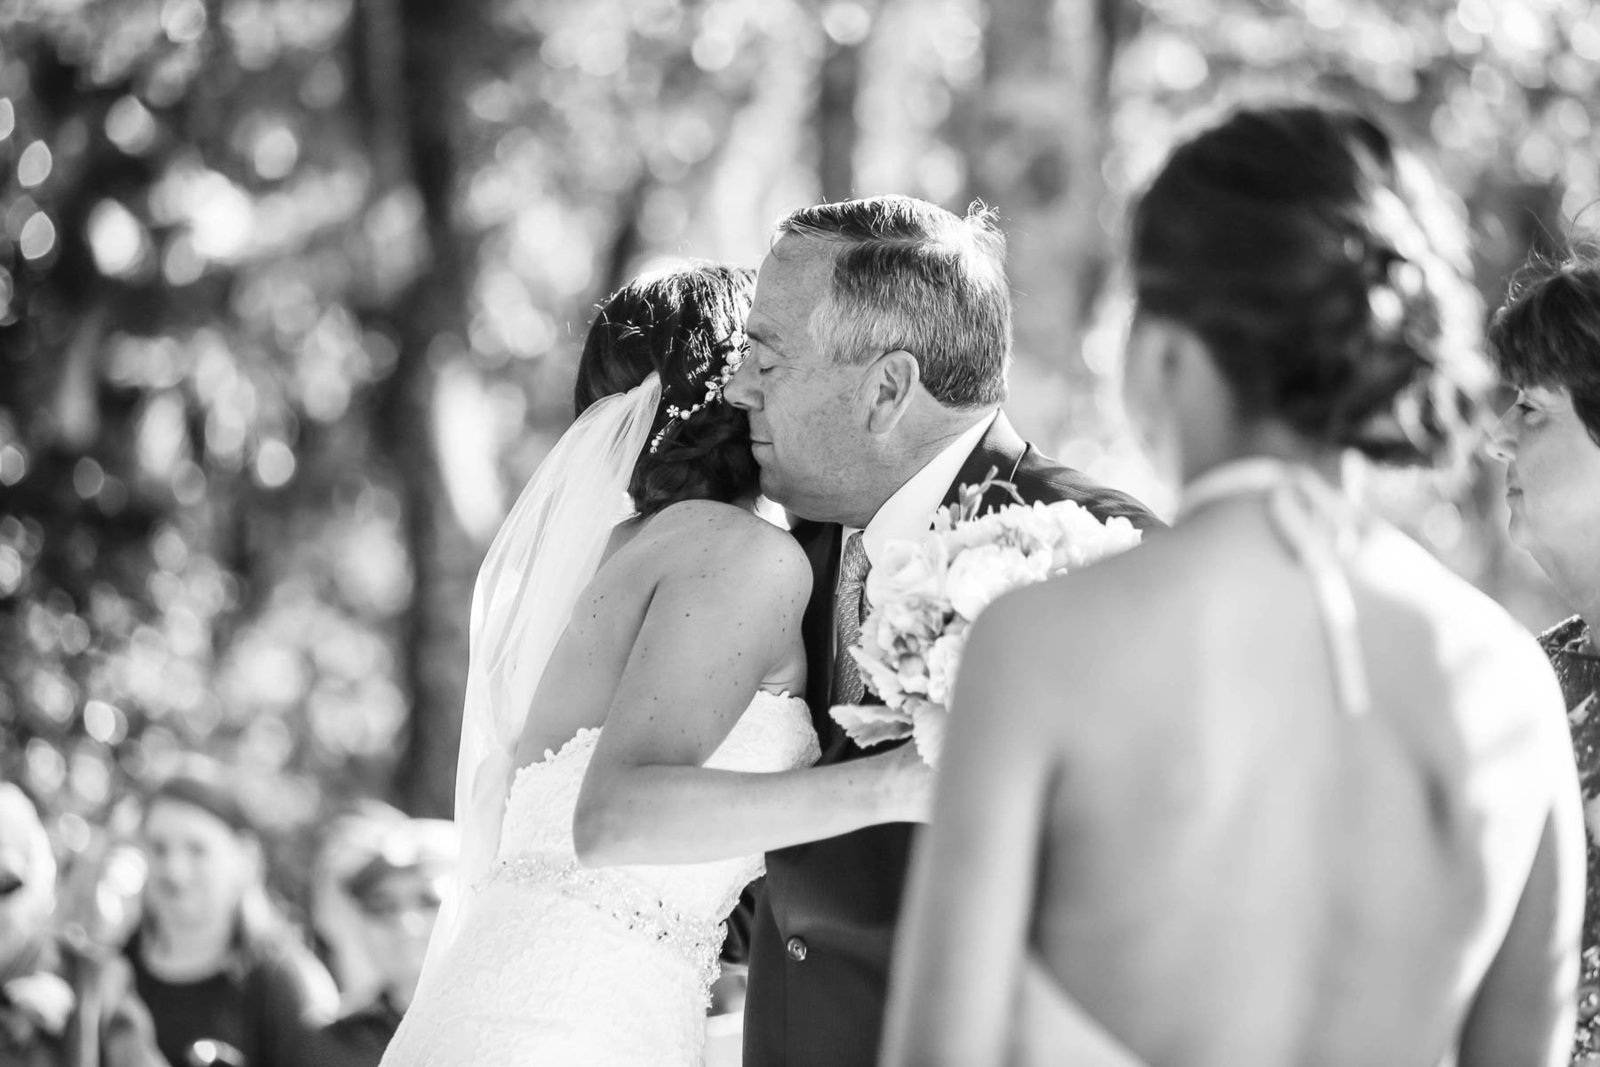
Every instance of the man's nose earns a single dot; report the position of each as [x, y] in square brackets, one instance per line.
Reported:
[1502, 443]
[742, 390]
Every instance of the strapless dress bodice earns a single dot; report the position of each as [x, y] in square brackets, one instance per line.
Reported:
[681, 905]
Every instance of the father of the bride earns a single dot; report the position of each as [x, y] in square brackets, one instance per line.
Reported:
[879, 343]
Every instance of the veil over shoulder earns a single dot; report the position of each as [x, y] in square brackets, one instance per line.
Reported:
[545, 553]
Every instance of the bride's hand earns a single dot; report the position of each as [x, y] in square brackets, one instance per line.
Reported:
[908, 784]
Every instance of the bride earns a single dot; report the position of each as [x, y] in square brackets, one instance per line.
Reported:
[634, 735]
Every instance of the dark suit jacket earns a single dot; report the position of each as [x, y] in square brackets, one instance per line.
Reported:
[822, 934]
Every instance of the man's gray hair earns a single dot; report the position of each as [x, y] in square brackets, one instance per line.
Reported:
[910, 275]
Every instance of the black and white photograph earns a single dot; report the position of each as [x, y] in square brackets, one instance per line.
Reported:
[799, 533]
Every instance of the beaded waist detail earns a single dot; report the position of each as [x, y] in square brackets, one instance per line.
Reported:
[623, 900]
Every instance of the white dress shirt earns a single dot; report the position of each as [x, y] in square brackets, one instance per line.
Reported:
[908, 514]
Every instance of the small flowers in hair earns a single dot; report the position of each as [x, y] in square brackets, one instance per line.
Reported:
[714, 385]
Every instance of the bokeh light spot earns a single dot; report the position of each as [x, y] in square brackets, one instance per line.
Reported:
[38, 236]
[34, 165]
[130, 126]
[847, 22]
[183, 21]
[13, 464]
[275, 152]
[116, 240]
[11, 570]
[104, 722]
[88, 478]
[274, 464]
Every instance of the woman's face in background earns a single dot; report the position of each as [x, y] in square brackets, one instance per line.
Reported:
[200, 868]
[1552, 479]
[399, 915]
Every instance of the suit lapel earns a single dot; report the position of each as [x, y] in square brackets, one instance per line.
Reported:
[1001, 449]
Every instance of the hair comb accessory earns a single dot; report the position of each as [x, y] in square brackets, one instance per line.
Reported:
[714, 385]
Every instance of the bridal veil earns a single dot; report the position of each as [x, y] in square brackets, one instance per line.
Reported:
[544, 555]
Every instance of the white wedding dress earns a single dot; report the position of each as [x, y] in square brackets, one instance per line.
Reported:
[562, 964]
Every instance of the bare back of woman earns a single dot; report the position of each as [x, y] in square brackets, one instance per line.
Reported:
[1222, 842]
[1274, 788]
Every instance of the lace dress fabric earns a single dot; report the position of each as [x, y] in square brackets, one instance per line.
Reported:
[560, 964]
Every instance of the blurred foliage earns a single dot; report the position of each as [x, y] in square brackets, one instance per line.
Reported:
[291, 292]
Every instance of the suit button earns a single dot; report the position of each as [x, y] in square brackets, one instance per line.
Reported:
[796, 948]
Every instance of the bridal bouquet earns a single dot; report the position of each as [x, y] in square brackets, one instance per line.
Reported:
[924, 595]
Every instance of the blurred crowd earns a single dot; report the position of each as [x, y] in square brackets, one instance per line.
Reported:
[160, 944]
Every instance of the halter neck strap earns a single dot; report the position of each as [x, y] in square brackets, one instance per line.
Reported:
[1322, 528]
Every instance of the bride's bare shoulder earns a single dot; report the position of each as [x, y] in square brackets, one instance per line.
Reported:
[706, 540]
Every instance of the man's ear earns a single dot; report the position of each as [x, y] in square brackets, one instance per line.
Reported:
[890, 386]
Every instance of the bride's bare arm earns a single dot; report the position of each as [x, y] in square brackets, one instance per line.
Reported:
[721, 618]
[963, 938]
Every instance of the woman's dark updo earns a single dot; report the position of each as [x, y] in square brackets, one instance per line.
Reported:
[684, 324]
[1324, 271]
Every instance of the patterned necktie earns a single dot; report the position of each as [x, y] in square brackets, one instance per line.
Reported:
[847, 610]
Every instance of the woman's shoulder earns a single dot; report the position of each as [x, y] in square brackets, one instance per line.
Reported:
[707, 536]
[1091, 624]
[1452, 607]
[1116, 598]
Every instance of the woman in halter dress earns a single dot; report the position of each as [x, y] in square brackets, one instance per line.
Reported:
[1275, 787]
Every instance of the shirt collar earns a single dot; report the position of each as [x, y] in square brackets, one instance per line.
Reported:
[909, 512]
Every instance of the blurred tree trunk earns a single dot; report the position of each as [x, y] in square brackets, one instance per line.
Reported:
[1035, 136]
[412, 50]
[838, 86]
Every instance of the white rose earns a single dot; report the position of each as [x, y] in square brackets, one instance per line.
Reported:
[1035, 526]
[913, 674]
[1086, 540]
[979, 575]
[908, 570]
[878, 676]
[984, 530]
[1121, 534]
[913, 617]
[943, 659]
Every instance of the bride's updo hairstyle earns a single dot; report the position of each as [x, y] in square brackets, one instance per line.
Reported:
[684, 324]
[1323, 270]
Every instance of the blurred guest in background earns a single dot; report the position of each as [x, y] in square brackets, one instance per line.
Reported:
[60, 1005]
[397, 894]
[226, 979]
[1281, 686]
[1546, 340]
[349, 841]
